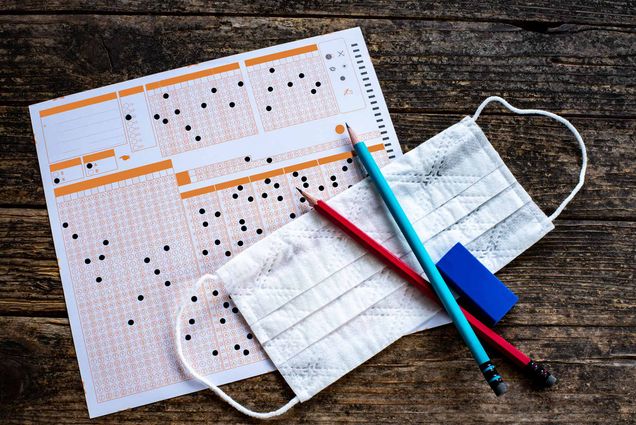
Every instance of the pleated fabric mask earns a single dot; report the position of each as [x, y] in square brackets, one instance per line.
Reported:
[320, 305]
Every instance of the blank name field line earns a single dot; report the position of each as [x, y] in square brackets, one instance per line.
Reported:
[87, 115]
[87, 125]
[96, 141]
[72, 151]
[84, 136]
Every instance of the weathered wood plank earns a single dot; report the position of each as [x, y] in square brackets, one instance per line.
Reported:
[41, 382]
[541, 153]
[553, 279]
[423, 65]
[532, 14]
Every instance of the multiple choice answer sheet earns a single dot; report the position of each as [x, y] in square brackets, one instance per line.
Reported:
[153, 182]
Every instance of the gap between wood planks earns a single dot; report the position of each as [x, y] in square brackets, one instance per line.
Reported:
[531, 25]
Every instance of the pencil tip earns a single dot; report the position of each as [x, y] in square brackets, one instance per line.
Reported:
[307, 196]
[352, 135]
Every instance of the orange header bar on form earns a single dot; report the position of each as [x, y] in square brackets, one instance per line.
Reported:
[192, 76]
[281, 55]
[267, 174]
[130, 91]
[78, 104]
[98, 155]
[301, 166]
[376, 148]
[113, 178]
[65, 164]
[336, 157]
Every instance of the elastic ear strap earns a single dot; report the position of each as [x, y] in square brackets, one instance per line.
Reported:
[238, 406]
[563, 121]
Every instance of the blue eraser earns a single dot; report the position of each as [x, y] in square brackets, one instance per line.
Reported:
[480, 291]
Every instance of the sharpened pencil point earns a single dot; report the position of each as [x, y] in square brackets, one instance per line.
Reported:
[312, 201]
[352, 135]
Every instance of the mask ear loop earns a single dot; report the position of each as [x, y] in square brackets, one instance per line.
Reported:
[224, 396]
[563, 121]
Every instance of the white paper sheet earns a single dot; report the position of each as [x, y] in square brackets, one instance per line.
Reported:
[152, 182]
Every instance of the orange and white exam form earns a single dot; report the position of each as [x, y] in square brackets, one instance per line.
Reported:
[153, 182]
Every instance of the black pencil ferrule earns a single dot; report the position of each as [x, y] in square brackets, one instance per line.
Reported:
[539, 374]
[493, 378]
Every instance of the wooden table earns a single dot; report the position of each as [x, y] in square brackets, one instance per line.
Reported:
[436, 61]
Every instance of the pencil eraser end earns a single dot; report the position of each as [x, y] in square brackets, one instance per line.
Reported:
[500, 389]
[481, 292]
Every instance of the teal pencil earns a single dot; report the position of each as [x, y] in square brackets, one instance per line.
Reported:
[437, 282]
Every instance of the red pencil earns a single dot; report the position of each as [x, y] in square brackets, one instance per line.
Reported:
[535, 370]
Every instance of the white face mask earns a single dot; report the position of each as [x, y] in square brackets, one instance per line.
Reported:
[320, 305]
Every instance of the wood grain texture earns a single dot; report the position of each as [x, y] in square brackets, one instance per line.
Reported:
[533, 15]
[409, 382]
[436, 61]
[576, 68]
